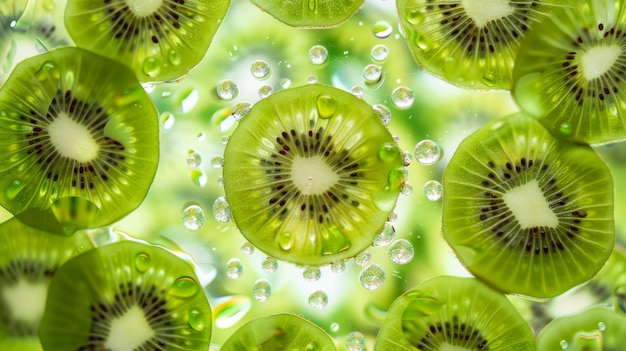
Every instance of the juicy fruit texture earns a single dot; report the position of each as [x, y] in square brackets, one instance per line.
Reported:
[279, 332]
[311, 175]
[160, 39]
[79, 141]
[570, 72]
[125, 296]
[310, 13]
[596, 328]
[452, 313]
[29, 259]
[469, 43]
[526, 212]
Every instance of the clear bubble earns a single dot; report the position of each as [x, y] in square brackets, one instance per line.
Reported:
[372, 277]
[427, 152]
[142, 262]
[386, 236]
[311, 274]
[220, 181]
[372, 73]
[406, 189]
[362, 258]
[338, 267]
[198, 177]
[334, 327]
[261, 290]
[225, 139]
[355, 341]
[265, 91]
[193, 159]
[234, 268]
[318, 54]
[433, 190]
[318, 299]
[193, 217]
[402, 97]
[382, 29]
[184, 287]
[270, 265]
[221, 210]
[247, 248]
[240, 110]
[167, 120]
[601, 326]
[201, 136]
[285, 83]
[186, 99]
[407, 158]
[379, 53]
[196, 320]
[563, 344]
[227, 89]
[230, 310]
[260, 69]
[217, 161]
[393, 217]
[358, 91]
[401, 251]
[311, 79]
[383, 113]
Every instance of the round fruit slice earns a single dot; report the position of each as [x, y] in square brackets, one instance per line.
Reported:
[29, 259]
[571, 72]
[279, 332]
[526, 212]
[310, 13]
[470, 43]
[596, 328]
[311, 175]
[79, 143]
[126, 296]
[160, 39]
[452, 313]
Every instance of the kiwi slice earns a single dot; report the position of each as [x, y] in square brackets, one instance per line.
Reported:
[594, 329]
[310, 13]
[526, 212]
[160, 39]
[126, 296]
[453, 313]
[471, 44]
[571, 71]
[29, 259]
[80, 141]
[311, 175]
[279, 332]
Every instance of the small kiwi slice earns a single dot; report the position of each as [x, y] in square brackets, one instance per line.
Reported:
[79, 143]
[570, 72]
[469, 43]
[594, 329]
[453, 313]
[29, 259]
[160, 39]
[126, 296]
[311, 175]
[310, 13]
[526, 212]
[279, 332]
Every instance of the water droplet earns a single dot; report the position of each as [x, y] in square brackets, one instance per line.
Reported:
[13, 189]
[601, 326]
[372, 277]
[193, 159]
[198, 177]
[362, 258]
[231, 310]
[427, 152]
[383, 113]
[406, 189]
[433, 190]
[326, 106]
[196, 320]
[318, 54]
[221, 210]
[372, 73]
[285, 83]
[358, 91]
[227, 89]
[563, 344]
[167, 120]
[386, 236]
[407, 158]
[338, 267]
[240, 110]
[260, 69]
[184, 287]
[142, 262]
[217, 161]
[393, 217]
[388, 152]
[186, 99]
[247, 248]
[312, 5]
[284, 240]
[201, 136]
[379, 52]
[270, 265]
[311, 79]
[566, 128]
[234, 268]
[261, 290]
[334, 327]
[311, 274]
[151, 66]
[174, 57]
[355, 341]
[382, 29]
[402, 97]
[265, 91]
[401, 251]
[318, 299]
[193, 217]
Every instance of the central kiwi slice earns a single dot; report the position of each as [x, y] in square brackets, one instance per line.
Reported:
[160, 39]
[311, 175]
[126, 296]
[453, 313]
[79, 143]
[526, 212]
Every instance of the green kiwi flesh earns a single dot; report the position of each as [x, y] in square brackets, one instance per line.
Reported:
[311, 175]
[279, 332]
[29, 259]
[594, 329]
[126, 296]
[453, 313]
[79, 143]
[160, 39]
[472, 44]
[526, 212]
[571, 71]
[310, 13]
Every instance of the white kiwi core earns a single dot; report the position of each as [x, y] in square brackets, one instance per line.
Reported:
[129, 331]
[312, 175]
[72, 140]
[529, 206]
[144, 8]
[598, 60]
[26, 300]
[484, 11]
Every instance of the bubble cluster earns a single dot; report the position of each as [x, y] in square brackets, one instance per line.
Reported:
[193, 217]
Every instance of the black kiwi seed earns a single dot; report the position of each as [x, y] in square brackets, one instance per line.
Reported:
[456, 333]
